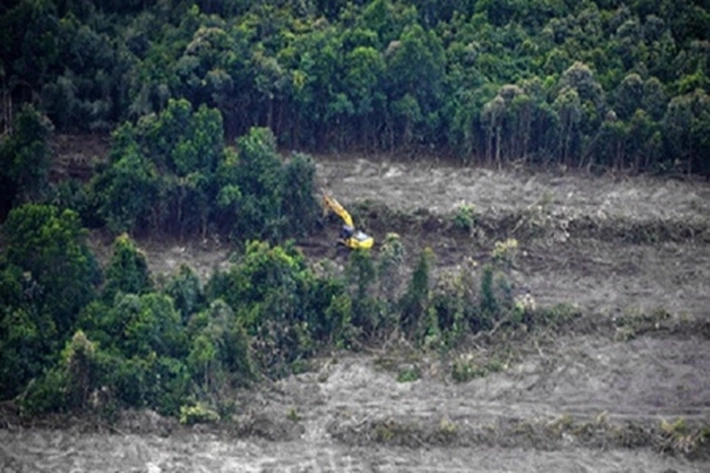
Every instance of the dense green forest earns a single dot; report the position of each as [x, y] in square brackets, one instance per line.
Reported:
[586, 84]
[200, 96]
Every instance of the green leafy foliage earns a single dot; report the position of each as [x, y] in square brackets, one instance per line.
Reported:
[24, 159]
[49, 246]
[220, 352]
[185, 288]
[128, 270]
[416, 299]
[362, 278]
[128, 189]
[298, 202]
[335, 75]
[80, 365]
[267, 290]
[259, 177]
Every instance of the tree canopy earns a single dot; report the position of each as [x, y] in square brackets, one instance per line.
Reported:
[375, 75]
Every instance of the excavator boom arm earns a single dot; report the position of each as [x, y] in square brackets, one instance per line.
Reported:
[335, 206]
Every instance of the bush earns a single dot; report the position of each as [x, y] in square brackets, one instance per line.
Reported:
[362, 277]
[464, 217]
[197, 414]
[416, 300]
[408, 374]
[298, 203]
[79, 361]
[465, 369]
[504, 252]
[128, 270]
[24, 160]
[45, 393]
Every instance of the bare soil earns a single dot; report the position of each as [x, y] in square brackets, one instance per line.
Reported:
[601, 394]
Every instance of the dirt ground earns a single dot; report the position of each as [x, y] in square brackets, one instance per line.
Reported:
[590, 398]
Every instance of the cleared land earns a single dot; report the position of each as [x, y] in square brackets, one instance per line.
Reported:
[604, 392]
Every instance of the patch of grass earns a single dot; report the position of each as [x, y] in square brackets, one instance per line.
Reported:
[633, 323]
[557, 315]
[464, 369]
[294, 416]
[408, 374]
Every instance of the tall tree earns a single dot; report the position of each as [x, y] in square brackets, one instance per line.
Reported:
[49, 245]
[24, 160]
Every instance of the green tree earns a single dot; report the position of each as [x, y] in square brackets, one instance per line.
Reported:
[24, 160]
[268, 290]
[220, 351]
[186, 147]
[655, 98]
[27, 336]
[185, 288]
[127, 191]
[79, 361]
[49, 246]
[629, 96]
[362, 276]
[417, 58]
[493, 115]
[687, 130]
[128, 270]
[415, 302]
[390, 268]
[150, 325]
[569, 110]
[300, 208]
[363, 84]
[259, 178]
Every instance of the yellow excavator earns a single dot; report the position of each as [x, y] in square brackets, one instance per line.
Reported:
[349, 236]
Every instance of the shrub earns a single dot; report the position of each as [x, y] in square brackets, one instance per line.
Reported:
[464, 217]
[197, 413]
[464, 369]
[488, 302]
[185, 288]
[79, 360]
[504, 252]
[45, 393]
[298, 202]
[416, 300]
[362, 277]
[128, 270]
[408, 374]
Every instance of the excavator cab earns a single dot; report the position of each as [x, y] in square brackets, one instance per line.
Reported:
[349, 235]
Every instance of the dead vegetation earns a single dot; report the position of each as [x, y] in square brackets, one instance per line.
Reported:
[546, 434]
